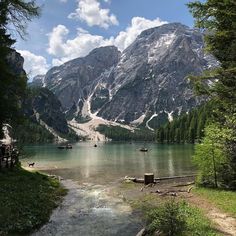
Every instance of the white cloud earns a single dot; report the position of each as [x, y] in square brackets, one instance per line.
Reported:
[66, 49]
[91, 12]
[56, 41]
[138, 24]
[34, 64]
[80, 46]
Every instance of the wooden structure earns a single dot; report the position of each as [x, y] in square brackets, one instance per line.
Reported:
[9, 156]
[148, 178]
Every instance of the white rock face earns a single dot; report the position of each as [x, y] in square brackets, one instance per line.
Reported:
[146, 83]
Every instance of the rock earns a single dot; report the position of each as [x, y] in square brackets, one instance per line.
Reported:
[38, 81]
[145, 84]
[41, 104]
[149, 83]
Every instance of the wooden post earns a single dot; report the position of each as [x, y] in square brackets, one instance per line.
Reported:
[148, 178]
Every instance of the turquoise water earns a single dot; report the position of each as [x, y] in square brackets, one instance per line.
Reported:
[91, 173]
[111, 161]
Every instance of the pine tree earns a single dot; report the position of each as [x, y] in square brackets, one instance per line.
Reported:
[218, 19]
[14, 13]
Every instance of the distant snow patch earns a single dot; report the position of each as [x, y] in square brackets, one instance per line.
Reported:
[147, 123]
[139, 120]
[161, 46]
[170, 115]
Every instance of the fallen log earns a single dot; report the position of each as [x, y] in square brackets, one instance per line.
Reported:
[141, 180]
[175, 177]
[183, 185]
[171, 192]
[189, 190]
[141, 232]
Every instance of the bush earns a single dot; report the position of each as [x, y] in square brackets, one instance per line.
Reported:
[168, 220]
[178, 218]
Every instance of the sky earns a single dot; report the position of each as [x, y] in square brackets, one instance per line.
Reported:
[68, 29]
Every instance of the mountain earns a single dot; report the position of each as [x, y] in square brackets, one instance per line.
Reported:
[41, 105]
[74, 81]
[41, 108]
[44, 121]
[145, 84]
[38, 81]
[16, 62]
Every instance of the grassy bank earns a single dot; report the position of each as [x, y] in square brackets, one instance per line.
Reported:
[152, 208]
[224, 200]
[26, 200]
[157, 215]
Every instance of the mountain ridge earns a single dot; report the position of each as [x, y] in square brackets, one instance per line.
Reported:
[143, 85]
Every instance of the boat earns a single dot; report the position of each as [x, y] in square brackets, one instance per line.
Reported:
[67, 146]
[143, 149]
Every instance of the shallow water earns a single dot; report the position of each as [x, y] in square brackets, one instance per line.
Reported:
[91, 208]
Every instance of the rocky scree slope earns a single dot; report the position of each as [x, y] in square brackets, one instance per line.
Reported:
[145, 84]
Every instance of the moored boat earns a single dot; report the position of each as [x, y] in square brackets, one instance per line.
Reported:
[67, 146]
[143, 149]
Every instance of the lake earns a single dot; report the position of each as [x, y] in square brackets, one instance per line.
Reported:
[91, 173]
[111, 161]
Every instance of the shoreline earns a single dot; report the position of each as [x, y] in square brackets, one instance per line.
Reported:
[29, 198]
[137, 194]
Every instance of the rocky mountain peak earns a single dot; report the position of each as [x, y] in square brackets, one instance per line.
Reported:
[146, 83]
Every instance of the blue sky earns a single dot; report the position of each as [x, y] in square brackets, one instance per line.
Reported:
[68, 29]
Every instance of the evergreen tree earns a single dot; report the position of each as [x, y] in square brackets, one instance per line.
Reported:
[188, 127]
[218, 19]
[12, 13]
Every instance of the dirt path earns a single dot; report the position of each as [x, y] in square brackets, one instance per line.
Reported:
[224, 223]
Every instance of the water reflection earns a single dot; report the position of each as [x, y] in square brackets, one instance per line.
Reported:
[111, 161]
[90, 208]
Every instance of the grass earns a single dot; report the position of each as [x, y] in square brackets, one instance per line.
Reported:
[26, 200]
[222, 199]
[196, 222]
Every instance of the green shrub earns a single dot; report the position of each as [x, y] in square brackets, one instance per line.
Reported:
[178, 218]
[168, 220]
